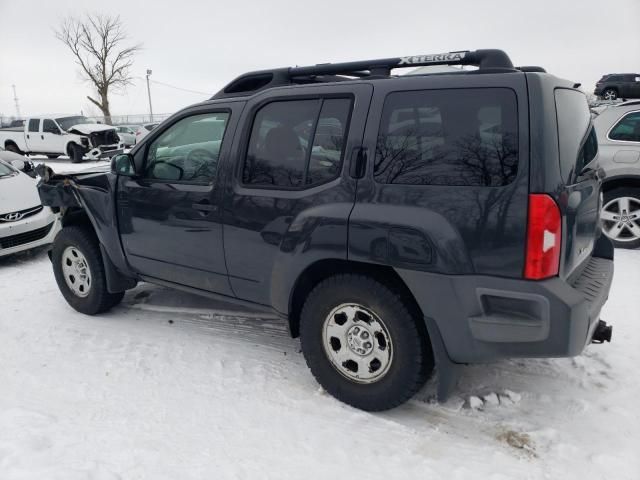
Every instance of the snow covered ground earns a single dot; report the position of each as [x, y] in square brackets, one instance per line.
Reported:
[172, 386]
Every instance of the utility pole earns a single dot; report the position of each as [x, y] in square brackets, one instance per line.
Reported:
[15, 99]
[149, 72]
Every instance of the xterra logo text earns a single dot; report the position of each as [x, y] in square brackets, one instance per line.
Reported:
[436, 58]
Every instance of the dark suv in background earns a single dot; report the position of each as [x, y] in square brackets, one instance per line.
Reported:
[618, 85]
[396, 222]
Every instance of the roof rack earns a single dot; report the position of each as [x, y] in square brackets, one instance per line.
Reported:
[488, 60]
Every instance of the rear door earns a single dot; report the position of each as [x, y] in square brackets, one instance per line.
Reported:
[579, 197]
[169, 215]
[32, 134]
[288, 200]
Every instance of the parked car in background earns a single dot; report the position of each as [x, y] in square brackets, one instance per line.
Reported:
[618, 130]
[127, 134]
[618, 85]
[20, 162]
[16, 123]
[143, 130]
[395, 222]
[24, 222]
[75, 136]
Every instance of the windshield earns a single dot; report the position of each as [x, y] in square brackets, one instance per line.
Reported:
[6, 170]
[67, 122]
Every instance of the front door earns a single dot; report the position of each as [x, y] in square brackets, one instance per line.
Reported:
[169, 216]
[51, 138]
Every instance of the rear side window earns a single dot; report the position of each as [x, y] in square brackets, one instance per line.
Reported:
[627, 129]
[33, 124]
[448, 137]
[297, 143]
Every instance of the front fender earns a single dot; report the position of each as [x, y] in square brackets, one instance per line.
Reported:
[94, 192]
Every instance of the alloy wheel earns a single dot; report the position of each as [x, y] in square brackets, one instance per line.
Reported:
[621, 219]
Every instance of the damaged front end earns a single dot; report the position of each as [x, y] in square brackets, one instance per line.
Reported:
[100, 144]
[88, 199]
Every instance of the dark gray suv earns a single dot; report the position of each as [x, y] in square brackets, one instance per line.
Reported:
[618, 85]
[397, 223]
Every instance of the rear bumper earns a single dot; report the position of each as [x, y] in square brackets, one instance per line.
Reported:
[487, 318]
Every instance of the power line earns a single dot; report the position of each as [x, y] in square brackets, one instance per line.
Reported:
[180, 88]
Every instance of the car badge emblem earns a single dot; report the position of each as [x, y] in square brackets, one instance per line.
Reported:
[12, 217]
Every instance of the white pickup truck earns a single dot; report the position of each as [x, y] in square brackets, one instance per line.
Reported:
[75, 136]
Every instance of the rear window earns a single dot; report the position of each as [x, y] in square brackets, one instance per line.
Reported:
[448, 137]
[577, 142]
[34, 123]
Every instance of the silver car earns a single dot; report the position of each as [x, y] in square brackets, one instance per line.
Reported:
[618, 130]
[127, 134]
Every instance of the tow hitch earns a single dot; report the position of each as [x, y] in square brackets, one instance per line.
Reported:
[602, 333]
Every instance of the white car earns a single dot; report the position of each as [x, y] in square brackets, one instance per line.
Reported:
[24, 222]
[143, 130]
[127, 134]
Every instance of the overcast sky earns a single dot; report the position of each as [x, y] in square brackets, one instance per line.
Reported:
[201, 45]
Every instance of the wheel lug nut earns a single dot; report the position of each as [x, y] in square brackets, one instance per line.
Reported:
[365, 335]
[367, 345]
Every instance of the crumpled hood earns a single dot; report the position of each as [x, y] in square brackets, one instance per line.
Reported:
[18, 193]
[88, 128]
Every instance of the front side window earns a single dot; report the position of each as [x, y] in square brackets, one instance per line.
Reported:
[448, 137]
[627, 129]
[188, 150]
[49, 126]
[297, 143]
[34, 123]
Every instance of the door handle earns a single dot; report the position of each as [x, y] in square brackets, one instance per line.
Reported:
[42, 137]
[204, 206]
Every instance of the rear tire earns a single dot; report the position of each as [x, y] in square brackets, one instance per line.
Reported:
[610, 94]
[374, 362]
[76, 152]
[79, 271]
[620, 216]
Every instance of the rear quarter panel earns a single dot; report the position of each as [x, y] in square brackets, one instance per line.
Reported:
[437, 228]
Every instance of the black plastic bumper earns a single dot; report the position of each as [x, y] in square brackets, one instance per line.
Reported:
[484, 318]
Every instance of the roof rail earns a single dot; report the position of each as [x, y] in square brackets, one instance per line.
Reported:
[531, 68]
[487, 60]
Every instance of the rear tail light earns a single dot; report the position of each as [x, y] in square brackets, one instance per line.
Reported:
[544, 238]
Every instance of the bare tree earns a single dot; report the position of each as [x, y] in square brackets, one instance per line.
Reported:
[97, 41]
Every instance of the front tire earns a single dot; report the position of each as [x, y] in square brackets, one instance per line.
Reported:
[79, 271]
[364, 343]
[620, 216]
[610, 94]
[76, 153]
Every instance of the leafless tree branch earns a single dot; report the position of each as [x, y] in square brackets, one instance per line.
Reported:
[97, 43]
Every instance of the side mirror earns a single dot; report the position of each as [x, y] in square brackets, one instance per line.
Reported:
[19, 164]
[123, 164]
